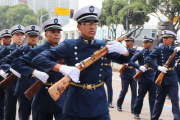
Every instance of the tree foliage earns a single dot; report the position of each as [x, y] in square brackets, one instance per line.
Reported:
[44, 11]
[169, 8]
[18, 14]
[113, 12]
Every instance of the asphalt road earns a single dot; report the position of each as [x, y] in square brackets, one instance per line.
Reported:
[126, 113]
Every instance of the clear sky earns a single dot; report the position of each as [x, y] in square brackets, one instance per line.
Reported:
[97, 3]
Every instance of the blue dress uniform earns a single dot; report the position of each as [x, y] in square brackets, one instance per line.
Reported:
[10, 100]
[108, 81]
[43, 106]
[170, 79]
[74, 51]
[146, 80]
[3, 33]
[23, 83]
[126, 80]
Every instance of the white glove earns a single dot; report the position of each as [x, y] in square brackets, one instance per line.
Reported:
[139, 48]
[3, 74]
[142, 68]
[162, 69]
[72, 72]
[177, 49]
[116, 47]
[126, 64]
[41, 75]
[15, 73]
[175, 64]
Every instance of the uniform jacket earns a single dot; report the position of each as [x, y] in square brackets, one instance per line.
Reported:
[42, 101]
[162, 53]
[129, 73]
[147, 76]
[79, 102]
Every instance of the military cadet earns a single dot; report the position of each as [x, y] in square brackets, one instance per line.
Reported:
[127, 78]
[11, 100]
[6, 38]
[32, 35]
[177, 64]
[43, 106]
[170, 79]
[146, 81]
[83, 104]
[108, 80]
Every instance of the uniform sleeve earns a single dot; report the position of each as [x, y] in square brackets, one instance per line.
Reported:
[21, 64]
[134, 59]
[149, 59]
[9, 58]
[118, 58]
[45, 61]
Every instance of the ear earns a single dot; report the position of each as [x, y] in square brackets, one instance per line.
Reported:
[26, 37]
[79, 27]
[46, 34]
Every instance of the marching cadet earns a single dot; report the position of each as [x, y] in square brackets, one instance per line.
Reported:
[89, 103]
[32, 36]
[6, 39]
[177, 64]
[11, 100]
[108, 78]
[127, 78]
[170, 79]
[1, 46]
[146, 81]
[43, 106]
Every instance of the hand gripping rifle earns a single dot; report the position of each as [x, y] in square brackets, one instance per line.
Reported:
[161, 75]
[35, 87]
[138, 75]
[58, 88]
[121, 70]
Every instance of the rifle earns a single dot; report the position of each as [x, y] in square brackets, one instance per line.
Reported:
[138, 75]
[58, 88]
[161, 75]
[35, 87]
[6, 82]
[121, 70]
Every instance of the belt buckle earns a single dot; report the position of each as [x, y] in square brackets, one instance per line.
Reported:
[87, 86]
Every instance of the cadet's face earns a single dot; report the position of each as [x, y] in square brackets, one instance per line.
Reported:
[0, 41]
[129, 43]
[147, 45]
[32, 39]
[168, 40]
[6, 40]
[18, 38]
[88, 29]
[53, 36]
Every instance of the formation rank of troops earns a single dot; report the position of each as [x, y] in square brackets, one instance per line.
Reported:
[85, 98]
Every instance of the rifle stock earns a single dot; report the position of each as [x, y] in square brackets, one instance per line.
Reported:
[138, 75]
[122, 69]
[161, 75]
[6, 82]
[160, 78]
[35, 87]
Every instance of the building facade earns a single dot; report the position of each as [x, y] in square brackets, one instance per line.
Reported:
[9, 2]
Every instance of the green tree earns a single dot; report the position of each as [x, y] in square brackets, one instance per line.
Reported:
[113, 12]
[17, 14]
[44, 11]
[28, 20]
[169, 8]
